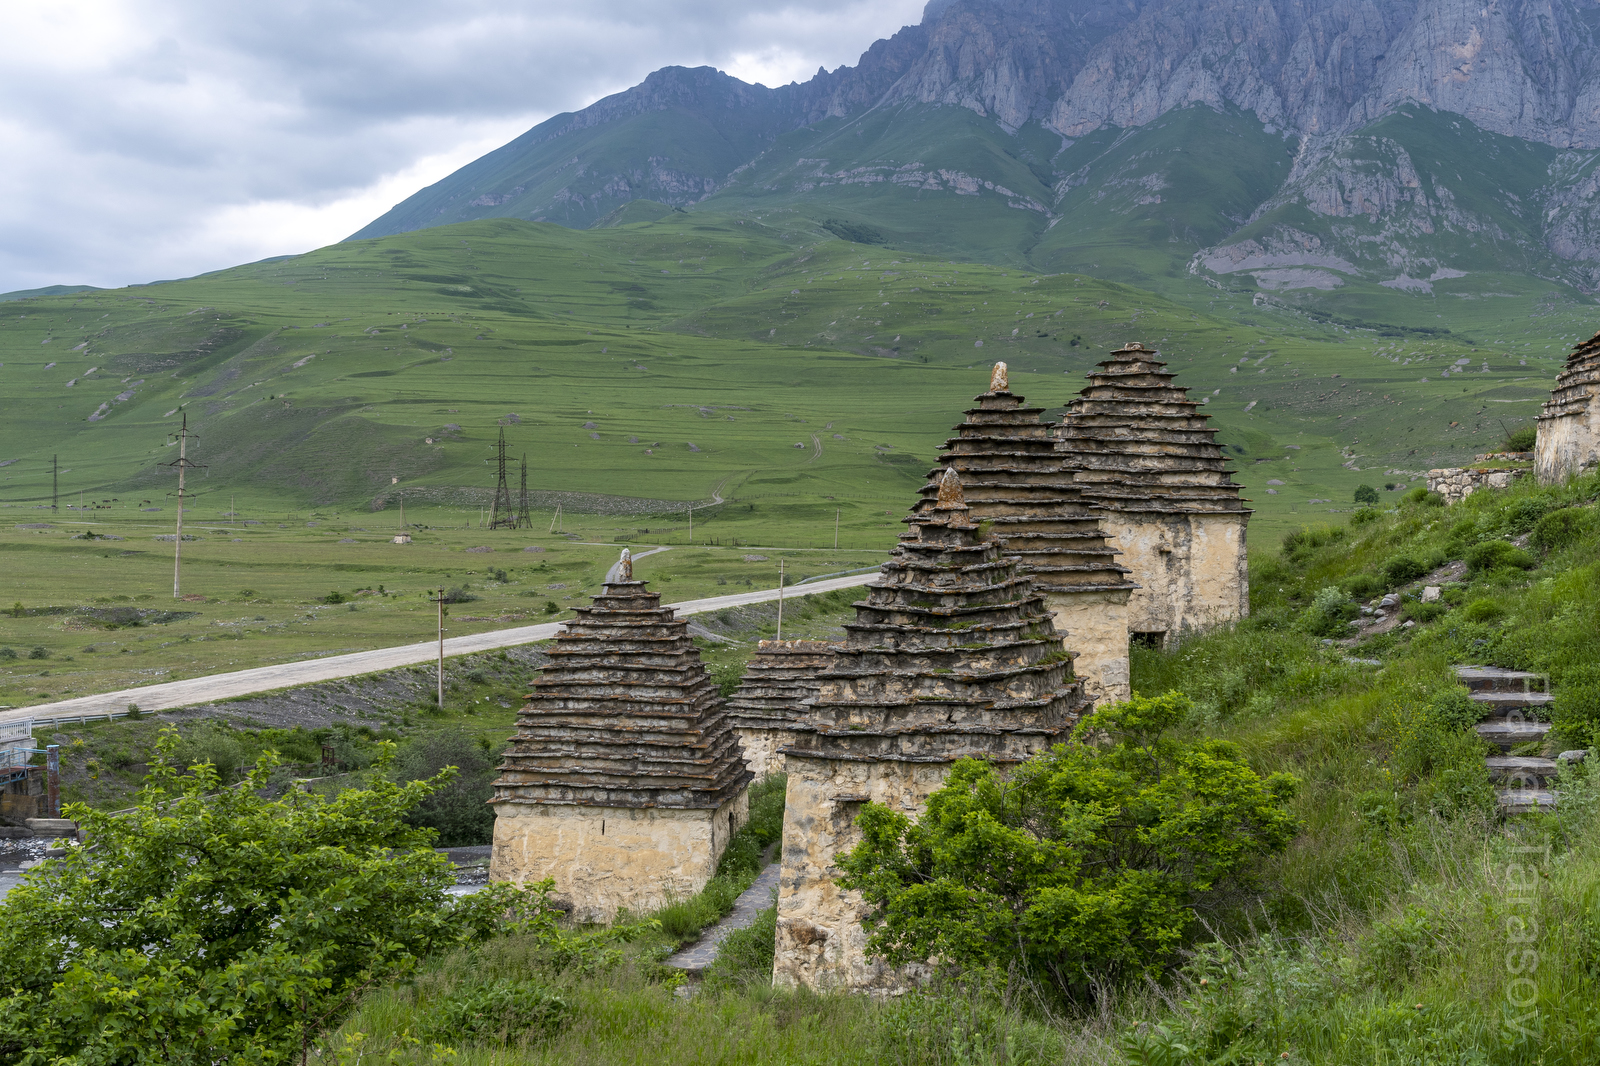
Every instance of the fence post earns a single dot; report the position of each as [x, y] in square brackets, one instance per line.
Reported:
[52, 762]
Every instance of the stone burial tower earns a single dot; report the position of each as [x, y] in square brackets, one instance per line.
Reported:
[624, 780]
[768, 711]
[952, 654]
[1143, 456]
[1015, 482]
[1569, 422]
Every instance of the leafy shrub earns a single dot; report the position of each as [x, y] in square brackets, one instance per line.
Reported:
[501, 1013]
[1403, 569]
[459, 594]
[213, 924]
[39, 652]
[550, 607]
[1576, 710]
[8, 653]
[1525, 512]
[1416, 495]
[1419, 612]
[1365, 516]
[334, 597]
[727, 676]
[1363, 586]
[1307, 538]
[458, 809]
[1560, 529]
[1366, 494]
[1491, 555]
[1523, 440]
[1484, 610]
[1089, 863]
[1329, 613]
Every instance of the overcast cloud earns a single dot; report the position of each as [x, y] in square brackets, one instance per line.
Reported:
[148, 139]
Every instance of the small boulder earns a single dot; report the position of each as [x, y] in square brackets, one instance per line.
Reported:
[1391, 600]
[1431, 593]
[1574, 756]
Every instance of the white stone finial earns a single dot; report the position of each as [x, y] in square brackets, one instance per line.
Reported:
[999, 380]
[625, 566]
[951, 498]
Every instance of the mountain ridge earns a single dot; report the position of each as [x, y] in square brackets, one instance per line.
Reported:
[1040, 77]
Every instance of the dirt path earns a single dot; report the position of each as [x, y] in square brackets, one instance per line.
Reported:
[287, 675]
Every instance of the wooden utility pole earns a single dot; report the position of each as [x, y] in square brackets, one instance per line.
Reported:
[183, 464]
[835, 529]
[440, 602]
[402, 510]
[691, 523]
[780, 599]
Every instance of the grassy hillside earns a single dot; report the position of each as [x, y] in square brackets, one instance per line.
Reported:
[696, 359]
[1382, 934]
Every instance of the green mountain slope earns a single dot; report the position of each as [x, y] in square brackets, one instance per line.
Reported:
[692, 359]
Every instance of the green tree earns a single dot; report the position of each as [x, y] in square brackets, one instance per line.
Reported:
[1366, 495]
[212, 924]
[1090, 861]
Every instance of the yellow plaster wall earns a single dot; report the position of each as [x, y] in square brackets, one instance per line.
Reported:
[1095, 625]
[820, 942]
[761, 748]
[1568, 445]
[606, 858]
[1192, 569]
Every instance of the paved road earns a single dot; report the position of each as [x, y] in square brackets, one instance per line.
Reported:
[288, 675]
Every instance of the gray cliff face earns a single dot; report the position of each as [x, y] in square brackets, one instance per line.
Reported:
[1329, 77]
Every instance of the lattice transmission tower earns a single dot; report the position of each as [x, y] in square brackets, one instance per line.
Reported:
[524, 512]
[501, 515]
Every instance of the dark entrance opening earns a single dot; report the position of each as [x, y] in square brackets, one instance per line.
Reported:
[1156, 640]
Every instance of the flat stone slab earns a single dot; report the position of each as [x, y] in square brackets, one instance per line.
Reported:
[1526, 800]
[751, 902]
[1500, 704]
[1521, 767]
[1483, 678]
[1507, 734]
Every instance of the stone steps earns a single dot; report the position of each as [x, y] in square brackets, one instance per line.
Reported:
[1508, 699]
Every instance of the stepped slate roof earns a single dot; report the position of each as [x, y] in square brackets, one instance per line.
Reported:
[779, 678]
[625, 715]
[1136, 442]
[952, 653]
[1577, 383]
[1013, 477]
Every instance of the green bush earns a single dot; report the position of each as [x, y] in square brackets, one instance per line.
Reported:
[502, 1013]
[213, 924]
[1366, 494]
[1490, 555]
[1363, 586]
[459, 809]
[1523, 440]
[1561, 529]
[1419, 612]
[1329, 614]
[1365, 516]
[8, 653]
[1576, 710]
[1402, 570]
[1524, 513]
[1089, 864]
[333, 597]
[1484, 610]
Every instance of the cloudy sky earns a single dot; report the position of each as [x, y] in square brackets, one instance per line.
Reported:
[149, 139]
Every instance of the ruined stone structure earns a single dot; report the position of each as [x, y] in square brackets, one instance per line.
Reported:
[1013, 478]
[624, 780]
[1457, 483]
[768, 711]
[1142, 455]
[953, 653]
[1569, 423]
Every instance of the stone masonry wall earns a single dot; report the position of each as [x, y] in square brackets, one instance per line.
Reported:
[1457, 483]
[604, 859]
[1096, 627]
[1192, 569]
[821, 943]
